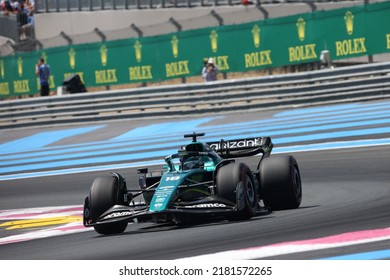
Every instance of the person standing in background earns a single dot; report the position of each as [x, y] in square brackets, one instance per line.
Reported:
[30, 4]
[210, 71]
[28, 27]
[43, 71]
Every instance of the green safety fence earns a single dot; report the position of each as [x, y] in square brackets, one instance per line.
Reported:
[348, 32]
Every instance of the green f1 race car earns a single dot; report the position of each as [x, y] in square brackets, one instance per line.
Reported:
[199, 182]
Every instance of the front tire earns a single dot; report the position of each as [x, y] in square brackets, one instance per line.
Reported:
[280, 182]
[105, 193]
[235, 176]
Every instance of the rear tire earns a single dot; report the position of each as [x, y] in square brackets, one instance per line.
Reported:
[280, 182]
[228, 178]
[104, 194]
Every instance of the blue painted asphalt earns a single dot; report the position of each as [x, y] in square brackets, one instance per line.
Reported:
[43, 139]
[289, 128]
[114, 145]
[150, 141]
[144, 163]
[177, 128]
[373, 255]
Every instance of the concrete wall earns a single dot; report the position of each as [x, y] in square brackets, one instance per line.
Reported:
[8, 27]
[49, 25]
[156, 21]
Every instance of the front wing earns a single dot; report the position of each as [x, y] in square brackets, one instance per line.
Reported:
[123, 213]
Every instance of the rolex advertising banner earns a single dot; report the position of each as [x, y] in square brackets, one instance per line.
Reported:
[17, 74]
[348, 32]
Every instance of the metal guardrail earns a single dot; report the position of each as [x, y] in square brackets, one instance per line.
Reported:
[354, 83]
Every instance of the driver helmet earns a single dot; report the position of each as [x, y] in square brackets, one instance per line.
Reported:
[206, 160]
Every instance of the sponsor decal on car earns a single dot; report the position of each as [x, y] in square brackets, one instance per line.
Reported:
[118, 214]
[254, 142]
[172, 178]
[207, 205]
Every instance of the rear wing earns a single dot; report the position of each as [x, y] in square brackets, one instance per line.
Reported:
[243, 147]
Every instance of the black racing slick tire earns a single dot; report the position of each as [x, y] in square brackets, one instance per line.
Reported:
[229, 178]
[104, 194]
[280, 182]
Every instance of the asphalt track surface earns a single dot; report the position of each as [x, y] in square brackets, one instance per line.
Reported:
[345, 192]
